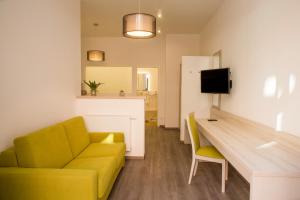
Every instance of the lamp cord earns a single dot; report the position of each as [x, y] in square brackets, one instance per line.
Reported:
[139, 3]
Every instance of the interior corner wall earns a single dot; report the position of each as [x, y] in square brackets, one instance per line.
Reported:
[177, 45]
[260, 43]
[124, 52]
[164, 52]
[39, 64]
[121, 51]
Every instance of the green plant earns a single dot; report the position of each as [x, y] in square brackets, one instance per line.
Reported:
[93, 85]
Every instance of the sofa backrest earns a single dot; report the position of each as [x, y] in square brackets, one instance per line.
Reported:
[77, 134]
[46, 148]
[8, 158]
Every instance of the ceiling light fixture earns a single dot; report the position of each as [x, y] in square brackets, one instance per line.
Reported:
[159, 14]
[139, 25]
[95, 55]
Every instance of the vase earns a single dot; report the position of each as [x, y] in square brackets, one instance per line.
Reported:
[94, 92]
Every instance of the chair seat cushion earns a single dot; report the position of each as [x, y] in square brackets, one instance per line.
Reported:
[105, 167]
[210, 152]
[104, 150]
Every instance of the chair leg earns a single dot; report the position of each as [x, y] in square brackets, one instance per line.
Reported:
[223, 176]
[226, 165]
[192, 170]
[196, 166]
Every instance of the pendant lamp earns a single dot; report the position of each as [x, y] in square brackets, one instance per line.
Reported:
[139, 25]
[95, 56]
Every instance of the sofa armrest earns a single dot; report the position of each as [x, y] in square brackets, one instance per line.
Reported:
[37, 184]
[106, 137]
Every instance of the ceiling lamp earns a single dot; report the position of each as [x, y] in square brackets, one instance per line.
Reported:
[139, 25]
[95, 55]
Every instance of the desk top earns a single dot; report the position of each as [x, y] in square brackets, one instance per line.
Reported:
[256, 150]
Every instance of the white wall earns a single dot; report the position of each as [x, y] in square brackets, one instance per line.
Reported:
[39, 64]
[260, 42]
[164, 52]
[176, 47]
[102, 114]
[114, 79]
[192, 100]
[120, 51]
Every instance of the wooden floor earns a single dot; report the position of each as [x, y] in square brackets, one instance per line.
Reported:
[163, 175]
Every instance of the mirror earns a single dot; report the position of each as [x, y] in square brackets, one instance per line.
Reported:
[143, 82]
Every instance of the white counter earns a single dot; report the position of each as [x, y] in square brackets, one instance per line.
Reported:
[116, 114]
[111, 97]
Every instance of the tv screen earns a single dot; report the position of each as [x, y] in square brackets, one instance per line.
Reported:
[215, 81]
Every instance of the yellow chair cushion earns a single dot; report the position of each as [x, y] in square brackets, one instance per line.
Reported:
[46, 148]
[102, 150]
[105, 167]
[77, 134]
[210, 152]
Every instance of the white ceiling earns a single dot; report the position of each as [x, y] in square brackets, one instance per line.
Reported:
[178, 16]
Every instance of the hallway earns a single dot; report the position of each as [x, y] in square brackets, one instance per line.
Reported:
[163, 175]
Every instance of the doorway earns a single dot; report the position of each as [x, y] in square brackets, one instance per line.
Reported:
[147, 86]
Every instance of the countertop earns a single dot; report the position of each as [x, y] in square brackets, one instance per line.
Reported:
[111, 97]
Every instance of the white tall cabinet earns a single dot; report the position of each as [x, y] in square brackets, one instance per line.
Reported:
[192, 100]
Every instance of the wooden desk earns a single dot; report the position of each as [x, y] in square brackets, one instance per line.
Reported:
[268, 160]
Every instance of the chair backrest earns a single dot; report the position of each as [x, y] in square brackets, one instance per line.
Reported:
[193, 132]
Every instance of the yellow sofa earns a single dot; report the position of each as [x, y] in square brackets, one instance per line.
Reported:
[62, 162]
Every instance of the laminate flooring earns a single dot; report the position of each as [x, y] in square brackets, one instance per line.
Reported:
[163, 175]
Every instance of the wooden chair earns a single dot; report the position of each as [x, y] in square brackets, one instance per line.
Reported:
[205, 153]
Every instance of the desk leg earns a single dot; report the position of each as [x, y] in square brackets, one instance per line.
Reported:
[275, 188]
[226, 166]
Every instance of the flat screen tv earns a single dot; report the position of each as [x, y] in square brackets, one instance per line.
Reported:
[216, 81]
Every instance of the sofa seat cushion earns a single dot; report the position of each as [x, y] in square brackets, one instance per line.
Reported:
[77, 134]
[46, 148]
[103, 150]
[105, 167]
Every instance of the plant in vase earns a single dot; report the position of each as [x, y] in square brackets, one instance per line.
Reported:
[93, 86]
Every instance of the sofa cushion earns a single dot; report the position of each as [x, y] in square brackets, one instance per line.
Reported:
[103, 150]
[46, 148]
[8, 158]
[77, 134]
[105, 166]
